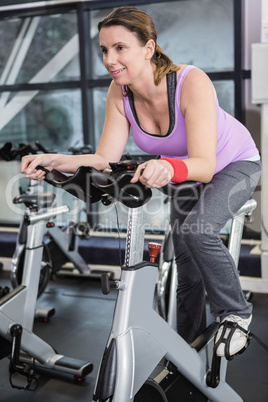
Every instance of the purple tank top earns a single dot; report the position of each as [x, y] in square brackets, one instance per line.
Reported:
[234, 142]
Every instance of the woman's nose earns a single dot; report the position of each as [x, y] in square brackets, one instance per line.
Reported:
[111, 59]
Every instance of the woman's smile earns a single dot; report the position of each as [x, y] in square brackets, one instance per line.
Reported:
[116, 72]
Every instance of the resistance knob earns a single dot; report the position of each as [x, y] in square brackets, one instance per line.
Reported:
[154, 249]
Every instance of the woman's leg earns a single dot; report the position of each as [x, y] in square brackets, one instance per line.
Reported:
[201, 254]
[191, 318]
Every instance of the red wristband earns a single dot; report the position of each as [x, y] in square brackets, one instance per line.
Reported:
[179, 167]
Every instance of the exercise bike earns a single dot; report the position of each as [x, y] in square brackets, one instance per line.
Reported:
[60, 242]
[17, 307]
[145, 359]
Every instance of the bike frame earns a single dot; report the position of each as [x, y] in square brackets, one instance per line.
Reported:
[140, 338]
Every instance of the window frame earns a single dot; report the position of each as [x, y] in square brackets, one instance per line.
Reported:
[87, 83]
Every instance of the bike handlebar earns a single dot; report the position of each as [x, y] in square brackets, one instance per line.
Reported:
[92, 185]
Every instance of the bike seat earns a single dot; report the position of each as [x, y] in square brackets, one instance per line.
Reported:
[35, 200]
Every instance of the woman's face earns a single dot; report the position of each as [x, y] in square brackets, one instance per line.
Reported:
[123, 55]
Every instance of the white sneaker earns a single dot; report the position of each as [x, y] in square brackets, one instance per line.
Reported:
[238, 339]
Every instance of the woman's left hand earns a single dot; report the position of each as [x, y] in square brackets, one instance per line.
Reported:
[154, 174]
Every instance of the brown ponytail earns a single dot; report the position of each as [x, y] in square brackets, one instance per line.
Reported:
[164, 64]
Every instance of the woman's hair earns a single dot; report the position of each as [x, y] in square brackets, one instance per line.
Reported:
[142, 25]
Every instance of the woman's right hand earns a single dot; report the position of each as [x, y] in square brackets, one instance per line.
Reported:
[30, 162]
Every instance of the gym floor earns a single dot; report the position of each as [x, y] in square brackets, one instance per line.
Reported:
[80, 328]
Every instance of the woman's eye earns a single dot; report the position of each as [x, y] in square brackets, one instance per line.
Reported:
[120, 48]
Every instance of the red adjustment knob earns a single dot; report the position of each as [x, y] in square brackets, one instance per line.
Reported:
[154, 249]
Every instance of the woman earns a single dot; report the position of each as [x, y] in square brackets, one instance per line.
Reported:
[173, 111]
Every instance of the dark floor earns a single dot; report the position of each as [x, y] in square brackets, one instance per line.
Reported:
[80, 328]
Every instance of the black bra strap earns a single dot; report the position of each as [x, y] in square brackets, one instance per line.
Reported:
[171, 90]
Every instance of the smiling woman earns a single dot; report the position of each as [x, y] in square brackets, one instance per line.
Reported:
[173, 111]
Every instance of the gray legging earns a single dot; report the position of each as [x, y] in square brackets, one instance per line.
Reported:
[203, 262]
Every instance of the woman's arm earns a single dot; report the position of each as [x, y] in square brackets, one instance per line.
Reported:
[110, 149]
[199, 109]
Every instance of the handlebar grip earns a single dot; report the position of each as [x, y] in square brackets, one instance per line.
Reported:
[42, 168]
[53, 176]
